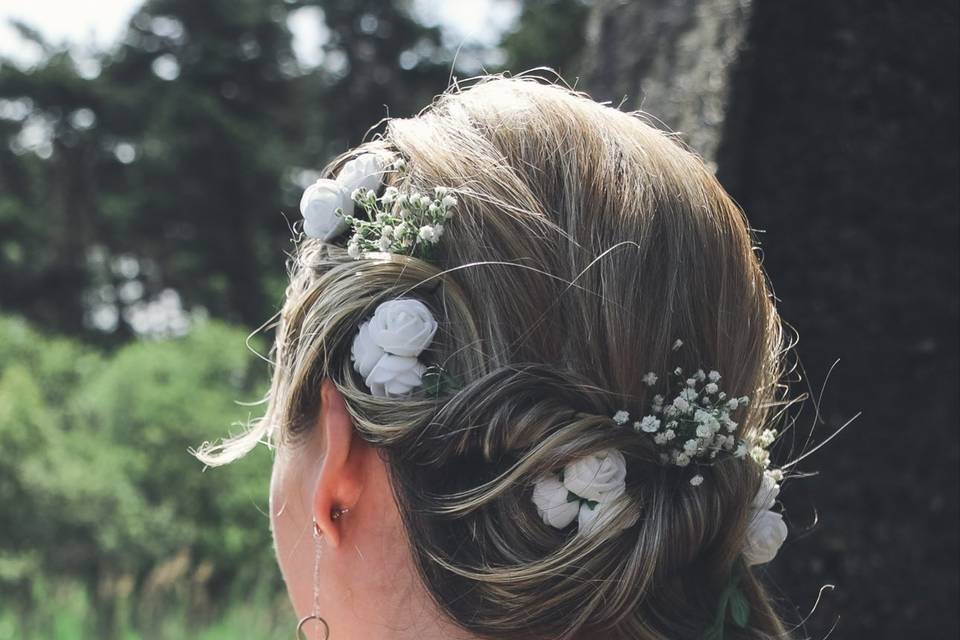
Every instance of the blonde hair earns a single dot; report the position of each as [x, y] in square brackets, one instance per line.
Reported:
[585, 241]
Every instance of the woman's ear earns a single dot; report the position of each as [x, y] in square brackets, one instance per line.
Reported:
[341, 478]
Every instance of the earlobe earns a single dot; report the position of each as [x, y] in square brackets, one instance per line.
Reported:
[340, 480]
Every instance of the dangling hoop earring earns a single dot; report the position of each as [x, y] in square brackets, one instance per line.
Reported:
[335, 514]
[317, 536]
[305, 619]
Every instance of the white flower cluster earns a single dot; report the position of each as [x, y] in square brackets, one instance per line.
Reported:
[695, 424]
[386, 348]
[396, 222]
[587, 490]
[399, 222]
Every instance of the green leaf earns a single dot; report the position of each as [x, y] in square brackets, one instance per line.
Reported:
[437, 381]
[714, 632]
[739, 608]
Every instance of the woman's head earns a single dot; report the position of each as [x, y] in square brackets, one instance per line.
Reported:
[584, 242]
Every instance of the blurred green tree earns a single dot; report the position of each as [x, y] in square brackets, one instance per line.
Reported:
[169, 169]
[95, 474]
[548, 33]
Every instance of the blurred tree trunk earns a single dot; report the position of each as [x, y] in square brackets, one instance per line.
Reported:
[834, 125]
[671, 58]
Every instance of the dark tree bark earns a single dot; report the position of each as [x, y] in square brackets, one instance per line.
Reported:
[834, 124]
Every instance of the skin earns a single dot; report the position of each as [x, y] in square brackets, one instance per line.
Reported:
[366, 584]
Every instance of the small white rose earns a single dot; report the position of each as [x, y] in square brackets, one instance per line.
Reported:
[767, 493]
[550, 497]
[363, 172]
[395, 376]
[319, 205]
[765, 534]
[403, 327]
[599, 476]
[365, 352]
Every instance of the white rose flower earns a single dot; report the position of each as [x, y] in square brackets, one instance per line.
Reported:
[363, 172]
[765, 534]
[599, 476]
[767, 493]
[395, 375]
[365, 352]
[320, 201]
[403, 327]
[550, 496]
[319, 205]
[386, 346]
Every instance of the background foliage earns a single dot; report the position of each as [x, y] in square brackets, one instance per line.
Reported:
[145, 196]
[140, 194]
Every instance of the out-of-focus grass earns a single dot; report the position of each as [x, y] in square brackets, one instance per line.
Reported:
[65, 610]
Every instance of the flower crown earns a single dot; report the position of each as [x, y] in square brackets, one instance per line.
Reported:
[398, 221]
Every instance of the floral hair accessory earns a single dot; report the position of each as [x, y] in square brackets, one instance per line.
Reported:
[693, 427]
[387, 347]
[325, 203]
[694, 424]
[399, 222]
[767, 530]
[765, 535]
[586, 490]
